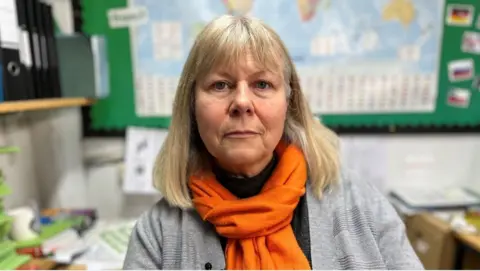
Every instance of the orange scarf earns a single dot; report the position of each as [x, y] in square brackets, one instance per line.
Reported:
[258, 228]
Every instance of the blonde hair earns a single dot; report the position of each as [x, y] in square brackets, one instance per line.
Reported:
[227, 40]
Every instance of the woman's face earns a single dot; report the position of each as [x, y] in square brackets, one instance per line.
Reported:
[240, 112]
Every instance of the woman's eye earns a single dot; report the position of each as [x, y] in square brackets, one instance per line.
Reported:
[220, 85]
[262, 85]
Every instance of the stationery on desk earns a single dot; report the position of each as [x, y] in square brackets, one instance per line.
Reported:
[74, 239]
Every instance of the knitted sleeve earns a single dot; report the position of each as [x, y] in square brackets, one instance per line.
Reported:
[144, 250]
[388, 229]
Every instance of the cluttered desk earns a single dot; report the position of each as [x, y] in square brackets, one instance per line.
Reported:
[443, 225]
[64, 239]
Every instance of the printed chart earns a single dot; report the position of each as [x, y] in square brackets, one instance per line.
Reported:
[331, 43]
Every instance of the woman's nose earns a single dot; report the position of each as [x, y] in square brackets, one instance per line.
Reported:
[242, 101]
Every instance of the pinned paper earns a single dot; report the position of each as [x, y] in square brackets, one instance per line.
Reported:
[459, 97]
[460, 15]
[460, 70]
[471, 42]
[142, 147]
[125, 17]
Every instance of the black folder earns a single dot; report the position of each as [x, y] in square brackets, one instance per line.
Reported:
[52, 53]
[25, 49]
[77, 16]
[46, 89]
[13, 71]
[35, 48]
[13, 82]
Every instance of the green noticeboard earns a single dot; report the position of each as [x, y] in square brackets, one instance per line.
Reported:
[457, 98]
[118, 110]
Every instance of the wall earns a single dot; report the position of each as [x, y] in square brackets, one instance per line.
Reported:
[18, 169]
[49, 167]
[475, 182]
[56, 137]
[418, 160]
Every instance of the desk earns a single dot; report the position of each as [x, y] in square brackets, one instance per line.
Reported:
[46, 264]
[472, 240]
[468, 251]
[76, 267]
[38, 264]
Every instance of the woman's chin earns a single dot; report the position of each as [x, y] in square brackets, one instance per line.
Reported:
[242, 156]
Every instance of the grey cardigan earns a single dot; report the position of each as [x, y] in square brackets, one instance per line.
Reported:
[353, 226]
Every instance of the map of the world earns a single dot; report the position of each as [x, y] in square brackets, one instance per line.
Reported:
[362, 56]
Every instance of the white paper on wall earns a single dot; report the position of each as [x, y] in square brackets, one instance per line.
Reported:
[142, 147]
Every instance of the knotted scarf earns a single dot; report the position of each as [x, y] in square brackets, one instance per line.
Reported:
[258, 228]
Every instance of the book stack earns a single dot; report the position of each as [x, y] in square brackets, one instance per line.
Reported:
[9, 259]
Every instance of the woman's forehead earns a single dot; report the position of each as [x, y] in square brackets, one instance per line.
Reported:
[248, 65]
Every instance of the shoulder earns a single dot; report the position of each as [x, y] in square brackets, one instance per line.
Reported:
[363, 220]
[155, 231]
[354, 205]
[162, 217]
[354, 192]
[360, 199]
[151, 219]
[151, 226]
[164, 233]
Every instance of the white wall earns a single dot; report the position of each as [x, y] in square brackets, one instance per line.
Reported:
[57, 156]
[18, 169]
[420, 160]
[49, 167]
[475, 181]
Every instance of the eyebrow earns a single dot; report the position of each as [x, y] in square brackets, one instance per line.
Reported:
[254, 74]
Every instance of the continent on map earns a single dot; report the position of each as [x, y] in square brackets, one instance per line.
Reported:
[238, 7]
[307, 9]
[401, 10]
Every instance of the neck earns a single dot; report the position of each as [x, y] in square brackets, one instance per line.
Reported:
[245, 186]
[246, 170]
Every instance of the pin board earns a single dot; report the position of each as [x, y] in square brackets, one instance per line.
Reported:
[395, 62]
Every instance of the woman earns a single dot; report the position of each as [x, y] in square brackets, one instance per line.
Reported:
[250, 179]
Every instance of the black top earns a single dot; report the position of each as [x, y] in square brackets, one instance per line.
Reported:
[244, 187]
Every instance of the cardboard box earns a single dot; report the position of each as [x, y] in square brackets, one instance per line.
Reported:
[432, 240]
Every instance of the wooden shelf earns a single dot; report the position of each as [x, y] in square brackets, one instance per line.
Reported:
[42, 104]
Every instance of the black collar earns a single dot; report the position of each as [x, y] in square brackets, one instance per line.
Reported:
[245, 187]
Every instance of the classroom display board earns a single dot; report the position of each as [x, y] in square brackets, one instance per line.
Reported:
[366, 62]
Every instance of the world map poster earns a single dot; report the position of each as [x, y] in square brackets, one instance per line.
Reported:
[363, 56]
